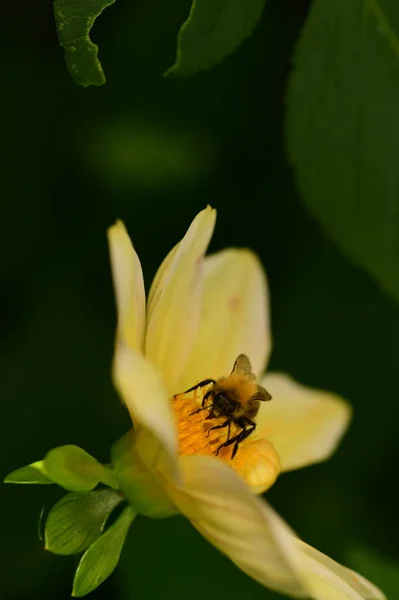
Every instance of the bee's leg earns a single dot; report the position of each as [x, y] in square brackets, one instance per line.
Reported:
[234, 440]
[235, 448]
[229, 442]
[237, 439]
[204, 399]
[247, 431]
[220, 427]
[228, 432]
[200, 385]
[244, 421]
[243, 434]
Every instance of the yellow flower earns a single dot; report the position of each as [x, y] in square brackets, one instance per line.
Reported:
[200, 315]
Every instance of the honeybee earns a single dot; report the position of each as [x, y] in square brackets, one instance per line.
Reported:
[235, 397]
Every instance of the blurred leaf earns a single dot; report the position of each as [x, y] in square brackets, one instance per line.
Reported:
[75, 470]
[74, 20]
[34, 473]
[99, 561]
[383, 573]
[149, 152]
[77, 520]
[213, 30]
[343, 128]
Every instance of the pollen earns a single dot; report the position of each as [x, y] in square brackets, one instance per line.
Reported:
[256, 461]
[193, 428]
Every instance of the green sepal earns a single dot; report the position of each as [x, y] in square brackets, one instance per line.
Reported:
[144, 492]
[100, 560]
[76, 470]
[77, 520]
[33, 473]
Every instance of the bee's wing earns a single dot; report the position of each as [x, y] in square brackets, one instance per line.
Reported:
[261, 395]
[242, 366]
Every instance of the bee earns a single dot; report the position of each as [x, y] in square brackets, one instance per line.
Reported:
[236, 397]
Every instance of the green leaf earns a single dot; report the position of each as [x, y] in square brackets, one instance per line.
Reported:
[343, 128]
[77, 520]
[382, 572]
[74, 20]
[213, 30]
[75, 470]
[34, 473]
[99, 561]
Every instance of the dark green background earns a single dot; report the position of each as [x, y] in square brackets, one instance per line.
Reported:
[68, 169]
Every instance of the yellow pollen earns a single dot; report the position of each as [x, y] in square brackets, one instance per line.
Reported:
[256, 460]
[194, 432]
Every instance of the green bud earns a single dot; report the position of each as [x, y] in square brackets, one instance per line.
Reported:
[138, 484]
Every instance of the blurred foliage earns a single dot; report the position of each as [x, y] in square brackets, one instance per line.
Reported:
[382, 572]
[333, 328]
[137, 150]
[212, 31]
[343, 128]
[74, 20]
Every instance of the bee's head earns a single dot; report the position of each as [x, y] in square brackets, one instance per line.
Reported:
[222, 406]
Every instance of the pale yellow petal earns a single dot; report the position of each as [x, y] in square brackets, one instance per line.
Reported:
[235, 317]
[129, 287]
[175, 301]
[223, 509]
[258, 463]
[146, 398]
[368, 590]
[304, 424]
[161, 278]
[328, 580]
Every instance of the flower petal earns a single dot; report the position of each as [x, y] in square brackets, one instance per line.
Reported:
[146, 398]
[304, 424]
[220, 505]
[235, 317]
[175, 300]
[129, 287]
[161, 279]
[367, 589]
[328, 580]
[258, 463]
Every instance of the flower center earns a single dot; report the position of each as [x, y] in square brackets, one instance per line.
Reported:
[256, 461]
[196, 433]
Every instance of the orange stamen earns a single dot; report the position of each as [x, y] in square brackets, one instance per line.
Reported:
[193, 429]
[256, 459]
